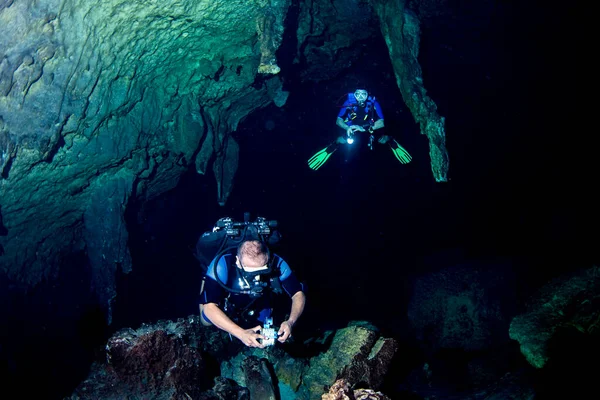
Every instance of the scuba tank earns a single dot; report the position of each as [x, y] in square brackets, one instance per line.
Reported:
[228, 233]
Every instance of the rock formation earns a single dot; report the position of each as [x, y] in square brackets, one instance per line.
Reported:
[172, 360]
[567, 303]
[104, 103]
[401, 29]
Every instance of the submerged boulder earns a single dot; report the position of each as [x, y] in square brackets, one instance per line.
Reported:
[357, 354]
[568, 303]
[341, 390]
[464, 307]
[184, 359]
[160, 361]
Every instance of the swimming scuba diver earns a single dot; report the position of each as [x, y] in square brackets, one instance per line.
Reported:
[359, 113]
[241, 282]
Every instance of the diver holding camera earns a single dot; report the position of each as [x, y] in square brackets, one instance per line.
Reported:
[241, 283]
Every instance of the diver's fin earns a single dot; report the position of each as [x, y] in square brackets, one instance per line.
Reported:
[316, 161]
[399, 151]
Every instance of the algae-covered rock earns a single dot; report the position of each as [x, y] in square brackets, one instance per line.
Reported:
[90, 91]
[568, 302]
[401, 29]
[356, 354]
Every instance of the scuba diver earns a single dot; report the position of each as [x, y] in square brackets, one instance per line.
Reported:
[359, 113]
[241, 282]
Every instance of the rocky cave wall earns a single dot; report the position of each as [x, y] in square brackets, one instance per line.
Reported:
[401, 29]
[100, 102]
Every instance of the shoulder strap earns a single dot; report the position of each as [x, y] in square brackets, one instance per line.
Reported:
[370, 105]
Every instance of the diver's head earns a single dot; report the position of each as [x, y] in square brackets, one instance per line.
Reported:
[253, 256]
[361, 96]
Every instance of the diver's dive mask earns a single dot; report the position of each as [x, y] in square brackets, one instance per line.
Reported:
[253, 278]
[361, 96]
[251, 274]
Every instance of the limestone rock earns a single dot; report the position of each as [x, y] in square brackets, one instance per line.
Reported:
[258, 378]
[160, 361]
[356, 354]
[401, 29]
[94, 91]
[340, 390]
[568, 302]
[105, 234]
[463, 307]
[172, 360]
[329, 36]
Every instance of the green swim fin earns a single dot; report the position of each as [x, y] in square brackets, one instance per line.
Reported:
[316, 161]
[399, 151]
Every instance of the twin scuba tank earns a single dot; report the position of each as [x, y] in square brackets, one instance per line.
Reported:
[227, 234]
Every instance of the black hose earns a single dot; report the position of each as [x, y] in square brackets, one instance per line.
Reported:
[221, 253]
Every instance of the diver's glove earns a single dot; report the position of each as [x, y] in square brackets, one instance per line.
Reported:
[316, 161]
[399, 151]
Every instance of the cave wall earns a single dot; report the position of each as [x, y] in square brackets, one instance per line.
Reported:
[101, 105]
[102, 102]
[401, 28]
[331, 36]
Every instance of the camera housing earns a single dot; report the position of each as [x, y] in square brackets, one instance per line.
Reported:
[233, 228]
[269, 332]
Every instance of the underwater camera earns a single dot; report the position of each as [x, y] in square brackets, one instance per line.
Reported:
[232, 227]
[269, 332]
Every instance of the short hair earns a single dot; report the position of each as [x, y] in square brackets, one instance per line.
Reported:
[255, 250]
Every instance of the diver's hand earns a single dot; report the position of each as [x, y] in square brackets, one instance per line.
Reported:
[250, 337]
[384, 139]
[340, 140]
[353, 128]
[285, 331]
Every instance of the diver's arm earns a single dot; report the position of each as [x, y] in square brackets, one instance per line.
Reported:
[249, 337]
[285, 329]
[340, 122]
[378, 124]
[294, 289]
[342, 139]
[221, 320]
[298, 302]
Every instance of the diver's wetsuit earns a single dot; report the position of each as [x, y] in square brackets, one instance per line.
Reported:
[243, 308]
[363, 116]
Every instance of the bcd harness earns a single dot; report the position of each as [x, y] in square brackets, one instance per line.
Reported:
[252, 284]
[225, 237]
[362, 116]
